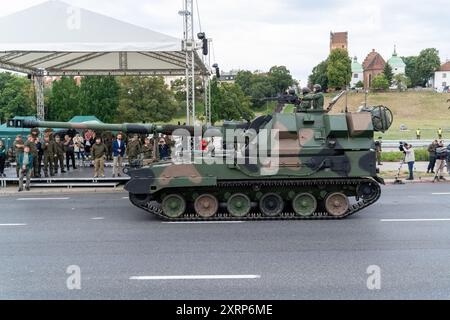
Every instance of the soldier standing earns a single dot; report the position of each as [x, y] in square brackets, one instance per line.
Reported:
[18, 150]
[440, 133]
[134, 149]
[98, 152]
[418, 134]
[31, 144]
[48, 147]
[59, 154]
[147, 149]
[317, 98]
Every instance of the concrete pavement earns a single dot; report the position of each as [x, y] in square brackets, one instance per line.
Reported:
[124, 254]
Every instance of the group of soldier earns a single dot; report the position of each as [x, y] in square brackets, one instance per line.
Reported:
[311, 100]
[50, 153]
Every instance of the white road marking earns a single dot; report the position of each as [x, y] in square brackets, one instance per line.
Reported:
[13, 225]
[213, 277]
[413, 220]
[41, 199]
[441, 194]
[126, 198]
[98, 218]
[203, 222]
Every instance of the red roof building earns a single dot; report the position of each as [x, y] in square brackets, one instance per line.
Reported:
[373, 65]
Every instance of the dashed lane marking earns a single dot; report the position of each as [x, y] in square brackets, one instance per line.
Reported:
[211, 277]
[413, 220]
[41, 199]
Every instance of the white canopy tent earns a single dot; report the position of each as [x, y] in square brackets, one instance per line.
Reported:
[57, 39]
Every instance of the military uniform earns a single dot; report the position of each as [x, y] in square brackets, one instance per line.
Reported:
[98, 152]
[34, 152]
[316, 99]
[107, 139]
[134, 150]
[18, 150]
[59, 156]
[49, 156]
[147, 151]
[378, 151]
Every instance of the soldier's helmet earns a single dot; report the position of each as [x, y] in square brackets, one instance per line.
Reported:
[306, 90]
[317, 88]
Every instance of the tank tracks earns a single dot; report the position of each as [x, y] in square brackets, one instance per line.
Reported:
[154, 207]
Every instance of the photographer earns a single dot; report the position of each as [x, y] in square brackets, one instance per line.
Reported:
[441, 156]
[410, 159]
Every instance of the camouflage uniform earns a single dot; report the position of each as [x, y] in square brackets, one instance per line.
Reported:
[18, 150]
[48, 147]
[107, 139]
[35, 154]
[59, 156]
[316, 99]
[147, 151]
[134, 149]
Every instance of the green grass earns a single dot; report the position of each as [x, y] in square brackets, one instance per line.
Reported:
[423, 110]
[421, 155]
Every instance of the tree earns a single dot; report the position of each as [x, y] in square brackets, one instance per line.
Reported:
[359, 85]
[380, 82]
[281, 78]
[99, 96]
[388, 74]
[228, 102]
[15, 96]
[245, 80]
[411, 70]
[427, 63]
[402, 82]
[63, 102]
[319, 75]
[145, 99]
[339, 69]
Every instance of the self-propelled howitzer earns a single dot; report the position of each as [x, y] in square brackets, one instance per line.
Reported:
[316, 165]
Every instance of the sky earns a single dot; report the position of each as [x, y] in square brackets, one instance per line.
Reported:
[255, 34]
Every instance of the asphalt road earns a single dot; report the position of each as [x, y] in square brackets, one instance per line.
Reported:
[120, 250]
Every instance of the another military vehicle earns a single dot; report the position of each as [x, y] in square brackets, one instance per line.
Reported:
[324, 168]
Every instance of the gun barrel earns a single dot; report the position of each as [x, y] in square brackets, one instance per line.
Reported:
[128, 128]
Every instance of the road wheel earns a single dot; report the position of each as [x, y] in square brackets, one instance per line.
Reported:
[206, 206]
[174, 205]
[304, 204]
[367, 191]
[239, 205]
[271, 204]
[140, 199]
[337, 204]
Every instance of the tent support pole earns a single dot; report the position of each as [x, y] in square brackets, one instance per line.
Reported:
[38, 79]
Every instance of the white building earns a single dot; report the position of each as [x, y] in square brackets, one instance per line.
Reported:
[442, 77]
[357, 73]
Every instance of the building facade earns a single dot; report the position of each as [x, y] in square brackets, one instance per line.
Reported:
[442, 77]
[338, 40]
[373, 65]
[357, 73]
[397, 64]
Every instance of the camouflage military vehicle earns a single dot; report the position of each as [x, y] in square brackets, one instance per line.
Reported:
[326, 168]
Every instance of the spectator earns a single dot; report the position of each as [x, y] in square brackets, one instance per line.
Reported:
[78, 143]
[212, 148]
[432, 154]
[163, 150]
[378, 150]
[410, 159]
[2, 159]
[441, 155]
[118, 154]
[69, 148]
[134, 149]
[25, 163]
[147, 149]
[98, 153]
[18, 150]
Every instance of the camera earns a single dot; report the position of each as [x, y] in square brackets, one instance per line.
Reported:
[402, 145]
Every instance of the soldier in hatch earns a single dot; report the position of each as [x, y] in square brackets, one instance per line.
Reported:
[317, 98]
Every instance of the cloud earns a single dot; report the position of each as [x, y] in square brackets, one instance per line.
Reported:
[255, 35]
